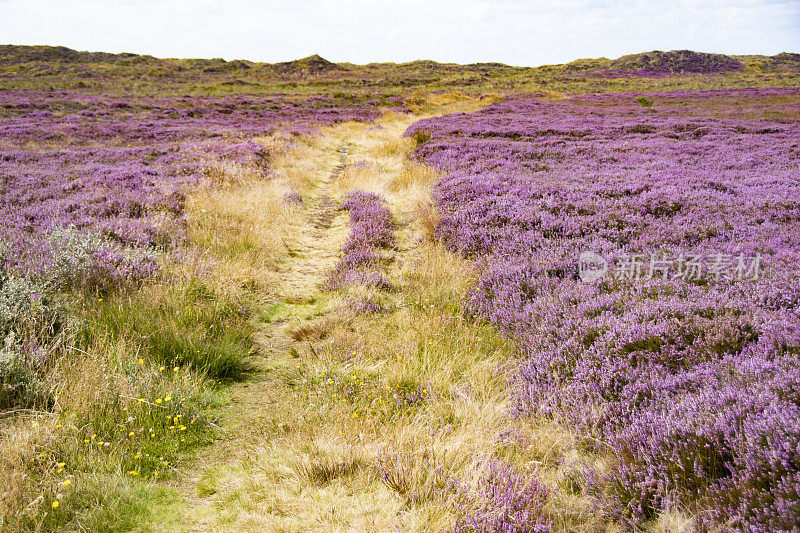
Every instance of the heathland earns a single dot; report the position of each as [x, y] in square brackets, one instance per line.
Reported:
[239, 296]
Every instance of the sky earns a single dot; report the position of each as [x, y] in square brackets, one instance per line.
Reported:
[362, 31]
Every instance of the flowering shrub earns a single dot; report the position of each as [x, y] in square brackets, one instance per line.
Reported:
[372, 229]
[507, 501]
[689, 383]
[366, 305]
[292, 197]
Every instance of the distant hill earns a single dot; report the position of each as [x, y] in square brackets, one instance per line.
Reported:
[784, 60]
[678, 62]
[13, 54]
[59, 67]
[308, 65]
[672, 62]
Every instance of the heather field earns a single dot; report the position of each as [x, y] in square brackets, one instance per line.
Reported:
[682, 361]
[240, 296]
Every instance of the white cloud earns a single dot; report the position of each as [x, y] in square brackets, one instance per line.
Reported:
[512, 31]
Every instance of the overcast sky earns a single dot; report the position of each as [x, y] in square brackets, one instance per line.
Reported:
[361, 31]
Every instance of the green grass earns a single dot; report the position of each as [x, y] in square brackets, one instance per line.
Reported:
[113, 504]
[190, 328]
[136, 388]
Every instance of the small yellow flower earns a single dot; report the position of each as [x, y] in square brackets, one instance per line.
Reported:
[158, 400]
[138, 455]
[133, 473]
[86, 441]
[176, 369]
[141, 361]
[59, 470]
[58, 426]
[55, 504]
[67, 483]
[168, 398]
[61, 465]
[131, 434]
[161, 368]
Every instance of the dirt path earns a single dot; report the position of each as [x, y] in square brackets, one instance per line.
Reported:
[295, 454]
[313, 252]
[316, 247]
[215, 484]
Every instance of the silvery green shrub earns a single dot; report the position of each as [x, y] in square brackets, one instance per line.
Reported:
[20, 383]
[81, 259]
[31, 323]
[27, 310]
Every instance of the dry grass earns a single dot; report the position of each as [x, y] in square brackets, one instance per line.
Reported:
[331, 432]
